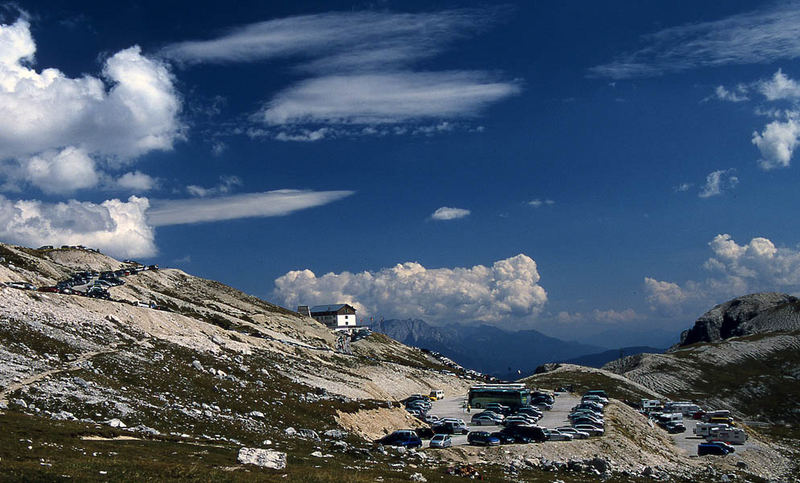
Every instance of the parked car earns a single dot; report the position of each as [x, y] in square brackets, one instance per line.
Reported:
[525, 434]
[430, 418]
[596, 392]
[21, 285]
[504, 438]
[556, 435]
[441, 441]
[98, 293]
[587, 428]
[498, 408]
[486, 418]
[518, 419]
[47, 289]
[66, 291]
[449, 427]
[482, 438]
[587, 422]
[674, 427]
[531, 411]
[402, 437]
[574, 432]
[704, 449]
[724, 444]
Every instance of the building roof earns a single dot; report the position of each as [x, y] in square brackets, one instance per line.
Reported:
[329, 308]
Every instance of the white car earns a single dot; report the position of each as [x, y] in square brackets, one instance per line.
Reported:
[486, 418]
[441, 441]
[588, 428]
[573, 432]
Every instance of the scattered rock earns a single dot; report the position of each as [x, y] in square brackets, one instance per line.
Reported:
[20, 402]
[290, 431]
[340, 445]
[335, 434]
[196, 364]
[115, 423]
[256, 414]
[308, 434]
[81, 382]
[417, 477]
[266, 458]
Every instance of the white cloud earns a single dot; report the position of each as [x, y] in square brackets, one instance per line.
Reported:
[663, 294]
[385, 98]
[361, 72]
[61, 171]
[737, 95]
[116, 227]
[615, 316]
[446, 213]
[48, 119]
[734, 270]
[337, 41]
[136, 181]
[226, 184]
[271, 203]
[507, 289]
[537, 203]
[777, 143]
[756, 37]
[717, 182]
[779, 87]
[683, 187]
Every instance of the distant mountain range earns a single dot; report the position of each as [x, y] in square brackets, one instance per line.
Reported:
[494, 351]
[602, 358]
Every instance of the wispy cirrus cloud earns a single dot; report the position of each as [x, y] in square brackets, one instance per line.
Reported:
[756, 37]
[717, 182]
[246, 205]
[360, 72]
[386, 98]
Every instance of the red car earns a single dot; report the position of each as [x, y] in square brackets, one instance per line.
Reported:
[48, 289]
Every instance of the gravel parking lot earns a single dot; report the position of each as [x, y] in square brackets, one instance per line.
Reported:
[453, 407]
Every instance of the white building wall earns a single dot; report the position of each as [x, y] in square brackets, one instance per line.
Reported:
[345, 321]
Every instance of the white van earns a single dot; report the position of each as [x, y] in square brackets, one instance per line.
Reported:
[436, 394]
[729, 435]
[651, 404]
[704, 429]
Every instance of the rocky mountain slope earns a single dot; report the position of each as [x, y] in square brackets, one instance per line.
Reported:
[217, 368]
[488, 349]
[749, 363]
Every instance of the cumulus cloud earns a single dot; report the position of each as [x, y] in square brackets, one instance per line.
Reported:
[777, 143]
[385, 98]
[738, 95]
[52, 125]
[537, 203]
[136, 181]
[779, 87]
[508, 289]
[755, 37]
[717, 182]
[247, 205]
[446, 213]
[733, 270]
[116, 227]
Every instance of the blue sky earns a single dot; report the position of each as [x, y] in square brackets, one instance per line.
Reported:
[572, 167]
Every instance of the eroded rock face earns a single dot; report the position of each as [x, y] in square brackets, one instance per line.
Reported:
[265, 458]
[750, 314]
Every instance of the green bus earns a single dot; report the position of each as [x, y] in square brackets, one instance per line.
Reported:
[511, 395]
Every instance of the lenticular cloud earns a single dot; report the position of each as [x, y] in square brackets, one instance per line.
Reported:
[507, 289]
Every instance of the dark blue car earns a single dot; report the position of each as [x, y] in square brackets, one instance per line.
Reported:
[402, 437]
[482, 438]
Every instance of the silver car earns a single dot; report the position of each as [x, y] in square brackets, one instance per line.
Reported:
[573, 432]
[441, 441]
[556, 435]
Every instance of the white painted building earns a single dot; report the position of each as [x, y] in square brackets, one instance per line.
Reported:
[339, 316]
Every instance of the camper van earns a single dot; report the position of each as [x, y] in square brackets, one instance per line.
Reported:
[704, 429]
[651, 405]
[669, 418]
[719, 413]
[686, 408]
[436, 395]
[729, 435]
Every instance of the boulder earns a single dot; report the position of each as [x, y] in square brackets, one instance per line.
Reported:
[265, 458]
[335, 434]
[308, 434]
